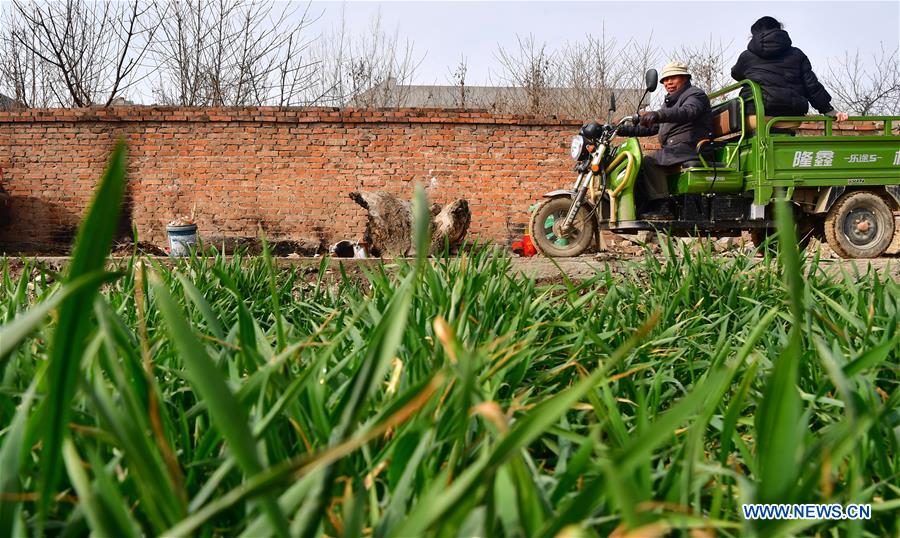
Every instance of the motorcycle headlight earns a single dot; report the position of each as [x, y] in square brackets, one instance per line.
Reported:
[577, 146]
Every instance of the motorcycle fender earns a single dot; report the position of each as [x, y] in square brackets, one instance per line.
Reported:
[560, 192]
[568, 194]
[827, 198]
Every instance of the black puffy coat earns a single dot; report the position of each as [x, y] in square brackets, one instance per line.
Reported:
[784, 74]
[684, 119]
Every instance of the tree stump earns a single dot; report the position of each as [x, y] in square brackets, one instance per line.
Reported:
[449, 226]
[389, 224]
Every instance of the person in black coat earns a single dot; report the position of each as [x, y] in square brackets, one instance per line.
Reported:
[783, 72]
[684, 119]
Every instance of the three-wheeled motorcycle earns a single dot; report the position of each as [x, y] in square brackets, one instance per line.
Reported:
[845, 189]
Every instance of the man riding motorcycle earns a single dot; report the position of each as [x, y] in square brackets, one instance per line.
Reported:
[684, 120]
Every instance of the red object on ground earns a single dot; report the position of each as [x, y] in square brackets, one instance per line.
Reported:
[524, 247]
[528, 247]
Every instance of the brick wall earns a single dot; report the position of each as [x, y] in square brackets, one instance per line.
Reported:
[288, 171]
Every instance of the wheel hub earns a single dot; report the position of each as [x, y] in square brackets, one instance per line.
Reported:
[554, 226]
[560, 231]
[861, 226]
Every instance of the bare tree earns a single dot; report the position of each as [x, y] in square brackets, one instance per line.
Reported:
[90, 51]
[709, 64]
[232, 53]
[866, 88]
[296, 72]
[534, 70]
[577, 79]
[457, 78]
[23, 75]
[592, 71]
[637, 58]
[369, 70]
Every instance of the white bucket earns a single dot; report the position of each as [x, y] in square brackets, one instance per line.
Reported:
[182, 239]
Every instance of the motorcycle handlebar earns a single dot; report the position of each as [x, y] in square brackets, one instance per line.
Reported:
[635, 119]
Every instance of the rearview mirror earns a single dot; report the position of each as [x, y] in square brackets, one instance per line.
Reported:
[612, 102]
[652, 79]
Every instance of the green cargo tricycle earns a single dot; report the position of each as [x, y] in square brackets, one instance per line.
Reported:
[843, 188]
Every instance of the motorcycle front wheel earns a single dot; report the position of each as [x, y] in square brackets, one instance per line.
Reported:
[546, 229]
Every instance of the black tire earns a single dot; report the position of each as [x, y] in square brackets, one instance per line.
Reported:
[549, 239]
[859, 225]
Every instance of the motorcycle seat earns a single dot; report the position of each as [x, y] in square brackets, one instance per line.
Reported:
[726, 119]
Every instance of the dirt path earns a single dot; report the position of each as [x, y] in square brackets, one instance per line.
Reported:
[536, 267]
[586, 267]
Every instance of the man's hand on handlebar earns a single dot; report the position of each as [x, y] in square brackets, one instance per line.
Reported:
[649, 118]
[634, 118]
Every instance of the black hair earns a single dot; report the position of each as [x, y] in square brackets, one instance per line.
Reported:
[765, 23]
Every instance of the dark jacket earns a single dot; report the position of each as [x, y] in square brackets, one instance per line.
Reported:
[684, 119]
[784, 74]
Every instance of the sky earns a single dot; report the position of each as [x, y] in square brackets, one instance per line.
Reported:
[442, 32]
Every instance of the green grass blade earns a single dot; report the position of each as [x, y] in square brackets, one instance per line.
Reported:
[11, 455]
[382, 347]
[779, 430]
[206, 310]
[789, 254]
[639, 448]
[115, 507]
[872, 357]
[87, 500]
[92, 245]
[778, 427]
[421, 224]
[230, 418]
[403, 490]
[273, 289]
[440, 500]
[12, 334]
[300, 468]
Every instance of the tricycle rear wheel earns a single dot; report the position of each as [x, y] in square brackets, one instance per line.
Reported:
[859, 225]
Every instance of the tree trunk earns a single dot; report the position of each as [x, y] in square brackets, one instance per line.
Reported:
[450, 226]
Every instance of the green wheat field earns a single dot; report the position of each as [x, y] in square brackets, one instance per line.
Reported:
[221, 396]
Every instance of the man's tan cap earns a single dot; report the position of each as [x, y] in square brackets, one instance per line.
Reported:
[674, 68]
